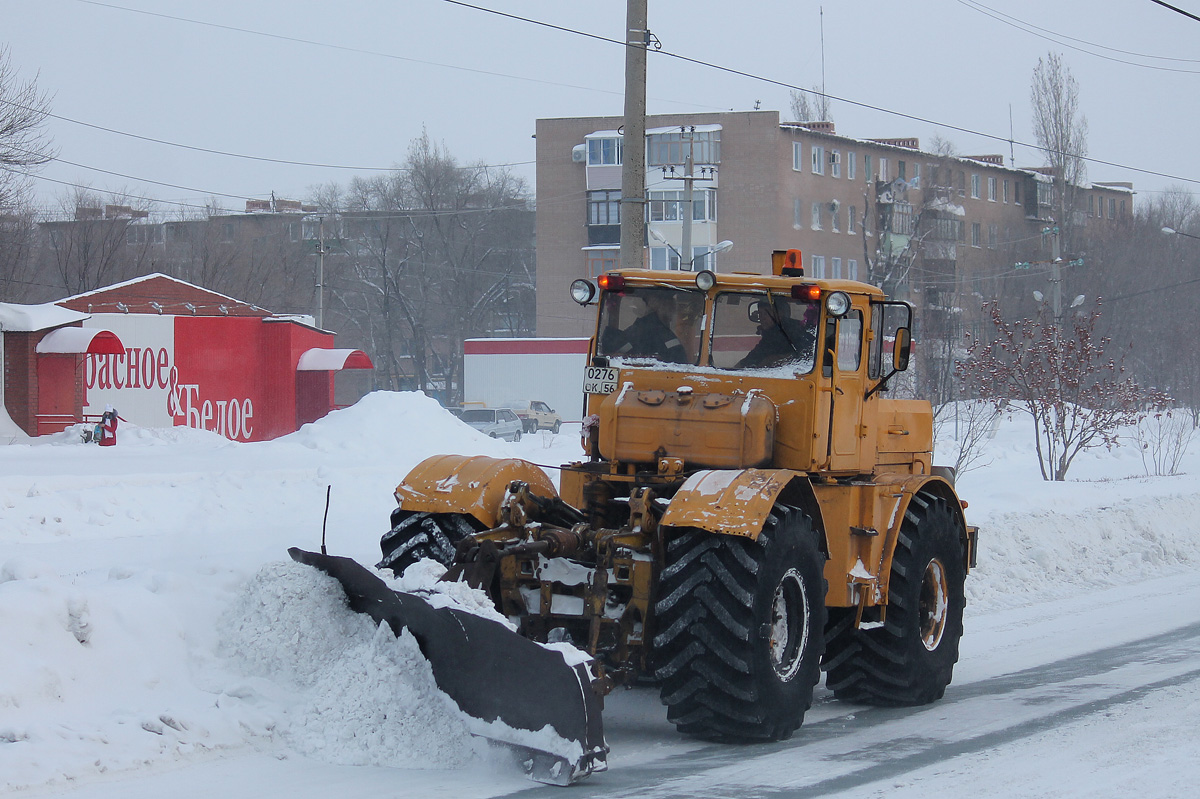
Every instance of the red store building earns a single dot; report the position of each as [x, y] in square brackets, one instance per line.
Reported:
[164, 353]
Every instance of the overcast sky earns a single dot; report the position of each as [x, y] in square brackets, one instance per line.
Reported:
[352, 83]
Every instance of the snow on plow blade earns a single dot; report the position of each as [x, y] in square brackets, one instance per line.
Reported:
[526, 696]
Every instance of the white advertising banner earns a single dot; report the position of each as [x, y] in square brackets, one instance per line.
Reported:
[138, 384]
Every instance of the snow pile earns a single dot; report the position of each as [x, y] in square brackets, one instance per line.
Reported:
[150, 616]
[363, 696]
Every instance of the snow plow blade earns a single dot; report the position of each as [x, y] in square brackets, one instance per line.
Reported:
[527, 697]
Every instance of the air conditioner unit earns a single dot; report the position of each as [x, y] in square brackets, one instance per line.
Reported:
[579, 153]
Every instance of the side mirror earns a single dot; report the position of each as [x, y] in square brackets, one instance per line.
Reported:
[902, 349]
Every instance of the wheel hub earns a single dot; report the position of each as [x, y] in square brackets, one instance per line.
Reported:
[933, 604]
[789, 625]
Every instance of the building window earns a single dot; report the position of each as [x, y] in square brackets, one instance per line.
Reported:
[663, 258]
[852, 269]
[667, 206]
[604, 207]
[1091, 205]
[836, 264]
[851, 165]
[1006, 190]
[227, 233]
[902, 170]
[991, 190]
[883, 170]
[867, 176]
[916, 176]
[797, 213]
[818, 266]
[1112, 207]
[798, 156]
[975, 234]
[604, 152]
[1122, 209]
[664, 149]
[818, 159]
[835, 216]
[1017, 192]
[851, 219]
[835, 163]
[962, 183]
[993, 236]
[601, 261]
[816, 216]
[975, 187]
[703, 258]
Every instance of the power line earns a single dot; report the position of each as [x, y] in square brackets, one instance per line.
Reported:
[786, 85]
[1057, 38]
[1176, 10]
[362, 51]
[242, 155]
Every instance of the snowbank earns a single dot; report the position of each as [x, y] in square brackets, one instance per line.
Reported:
[151, 617]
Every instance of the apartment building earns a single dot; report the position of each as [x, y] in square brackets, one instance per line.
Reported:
[928, 228]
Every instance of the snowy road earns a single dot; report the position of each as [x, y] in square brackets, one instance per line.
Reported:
[1079, 673]
[853, 750]
[1107, 695]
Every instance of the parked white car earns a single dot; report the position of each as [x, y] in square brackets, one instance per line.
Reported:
[496, 422]
[536, 415]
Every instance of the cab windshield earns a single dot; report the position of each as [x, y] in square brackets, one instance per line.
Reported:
[652, 323]
[763, 331]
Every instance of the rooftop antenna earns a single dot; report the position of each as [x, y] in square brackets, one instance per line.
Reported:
[824, 96]
[1012, 155]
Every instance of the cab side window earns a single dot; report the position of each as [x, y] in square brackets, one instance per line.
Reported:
[849, 345]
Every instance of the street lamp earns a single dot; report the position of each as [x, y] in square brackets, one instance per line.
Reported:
[1178, 232]
[688, 264]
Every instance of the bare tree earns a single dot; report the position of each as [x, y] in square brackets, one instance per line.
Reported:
[814, 109]
[92, 241]
[1061, 131]
[1078, 396]
[435, 252]
[24, 143]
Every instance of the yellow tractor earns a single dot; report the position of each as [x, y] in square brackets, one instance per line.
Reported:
[751, 507]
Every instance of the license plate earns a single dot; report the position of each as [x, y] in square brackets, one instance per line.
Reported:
[599, 380]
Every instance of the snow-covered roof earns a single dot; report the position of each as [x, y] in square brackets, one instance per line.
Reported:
[320, 359]
[80, 340]
[29, 318]
[143, 279]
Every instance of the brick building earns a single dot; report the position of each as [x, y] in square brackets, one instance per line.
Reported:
[935, 230]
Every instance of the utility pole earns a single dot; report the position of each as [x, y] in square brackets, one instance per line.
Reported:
[686, 258]
[321, 272]
[1055, 277]
[633, 169]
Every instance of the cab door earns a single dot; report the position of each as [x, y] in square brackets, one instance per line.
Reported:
[848, 388]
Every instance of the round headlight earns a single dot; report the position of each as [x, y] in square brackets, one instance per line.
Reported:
[837, 303]
[705, 279]
[582, 291]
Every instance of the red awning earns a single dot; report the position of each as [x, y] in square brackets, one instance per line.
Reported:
[80, 341]
[319, 359]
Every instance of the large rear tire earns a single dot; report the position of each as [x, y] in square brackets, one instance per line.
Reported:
[910, 659]
[739, 626]
[416, 535]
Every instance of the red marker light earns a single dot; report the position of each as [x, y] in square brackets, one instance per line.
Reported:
[610, 282]
[808, 291]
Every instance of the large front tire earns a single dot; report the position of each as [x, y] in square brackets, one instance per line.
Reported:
[910, 659]
[739, 629]
[416, 535]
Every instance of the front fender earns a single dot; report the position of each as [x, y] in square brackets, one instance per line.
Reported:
[727, 501]
[470, 484]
